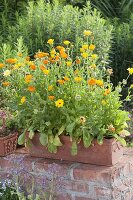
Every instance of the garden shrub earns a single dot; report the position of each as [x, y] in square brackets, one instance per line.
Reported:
[45, 20]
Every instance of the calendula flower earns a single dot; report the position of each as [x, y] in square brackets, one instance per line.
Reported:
[28, 78]
[50, 87]
[107, 91]
[33, 67]
[1, 65]
[78, 79]
[85, 55]
[60, 48]
[50, 41]
[104, 102]
[82, 120]
[93, 66]
[91, 81]
[23, 99]
[92, 47]
[66, 42]
[82, 50]
[130, 70]
[27, 58]
[45, 62]
[11, 60]
[61, 82]
[41, 54]
[20, 54]
[87, 33]
[99, 82]
[46, 71]
[111, 128]
[63, 55]
[7, 72]
[78, 61]
[31, 89]
[94, 56]
[66, 78]
[59, 103]
[53, 52]
[51, 97]
[85, 46]
[69, 63]
[5, 83]
[42, 67]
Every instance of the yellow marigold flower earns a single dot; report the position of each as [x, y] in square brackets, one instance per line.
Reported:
[50, 87]
[50, 41]
[131, 86]
[85, 46]
[61, 82]
[31, 88]
[104, 102]
[53, 52]
[28, 78]
[93, 66]
[87, 33]
[99, 82]
[16, 66]
[5, 84]
[51, 97]
[66, 42]
[111, 128]
[69, 63]
[94, 56]
[66, 78]
[1, 65]
[78, 79]
[92, 47]
[78, 61]
[46, 71]
[7, 72]
[130, 70]
[84, 55]
[20, 54]
[59, 103]
[82, 50]
[107, 91]
[11, 60]
[23, 99]
[33, 67]
[91, 81]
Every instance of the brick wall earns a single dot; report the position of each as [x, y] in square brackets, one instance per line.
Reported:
[78, 181]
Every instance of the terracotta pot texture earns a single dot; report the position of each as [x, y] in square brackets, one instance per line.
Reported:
[108, 154]
[8, 144]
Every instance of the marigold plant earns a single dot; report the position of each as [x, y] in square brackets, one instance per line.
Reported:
[54, 94]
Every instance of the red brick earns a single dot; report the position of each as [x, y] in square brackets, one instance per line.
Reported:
[63, 197]
[83, 198]
[103, 192]
[76, 186]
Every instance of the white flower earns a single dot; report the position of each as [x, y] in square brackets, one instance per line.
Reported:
[7, 73]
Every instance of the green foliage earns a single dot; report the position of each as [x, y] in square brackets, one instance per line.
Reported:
[44, 21]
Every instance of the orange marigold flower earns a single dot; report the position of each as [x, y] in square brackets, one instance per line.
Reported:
[11, 60]
[107, 91]
[61, 82]
[1, 65]
[60, 48]
[41, 55]
[28, 78]
[99, 82]
[42, 67]
[5, 84]
[63, 55]
[31, 88]
[50, 87]
[91, 81]
[51, 97]
[45, 62]
[33, 67]
[78, 61]
[66, 78]
[78, 79]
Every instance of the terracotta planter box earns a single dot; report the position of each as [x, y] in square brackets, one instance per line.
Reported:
[109, 153]
[8, 144]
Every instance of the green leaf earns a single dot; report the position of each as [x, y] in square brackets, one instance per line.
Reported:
[48, 123]
[61, 130]
[43, 139]
[121, 140]
[74, 148]
[70, 127]
[21, 138]
[52, 148]
[100, 139]
[87, 139]
[31, 134]
[57, 141]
